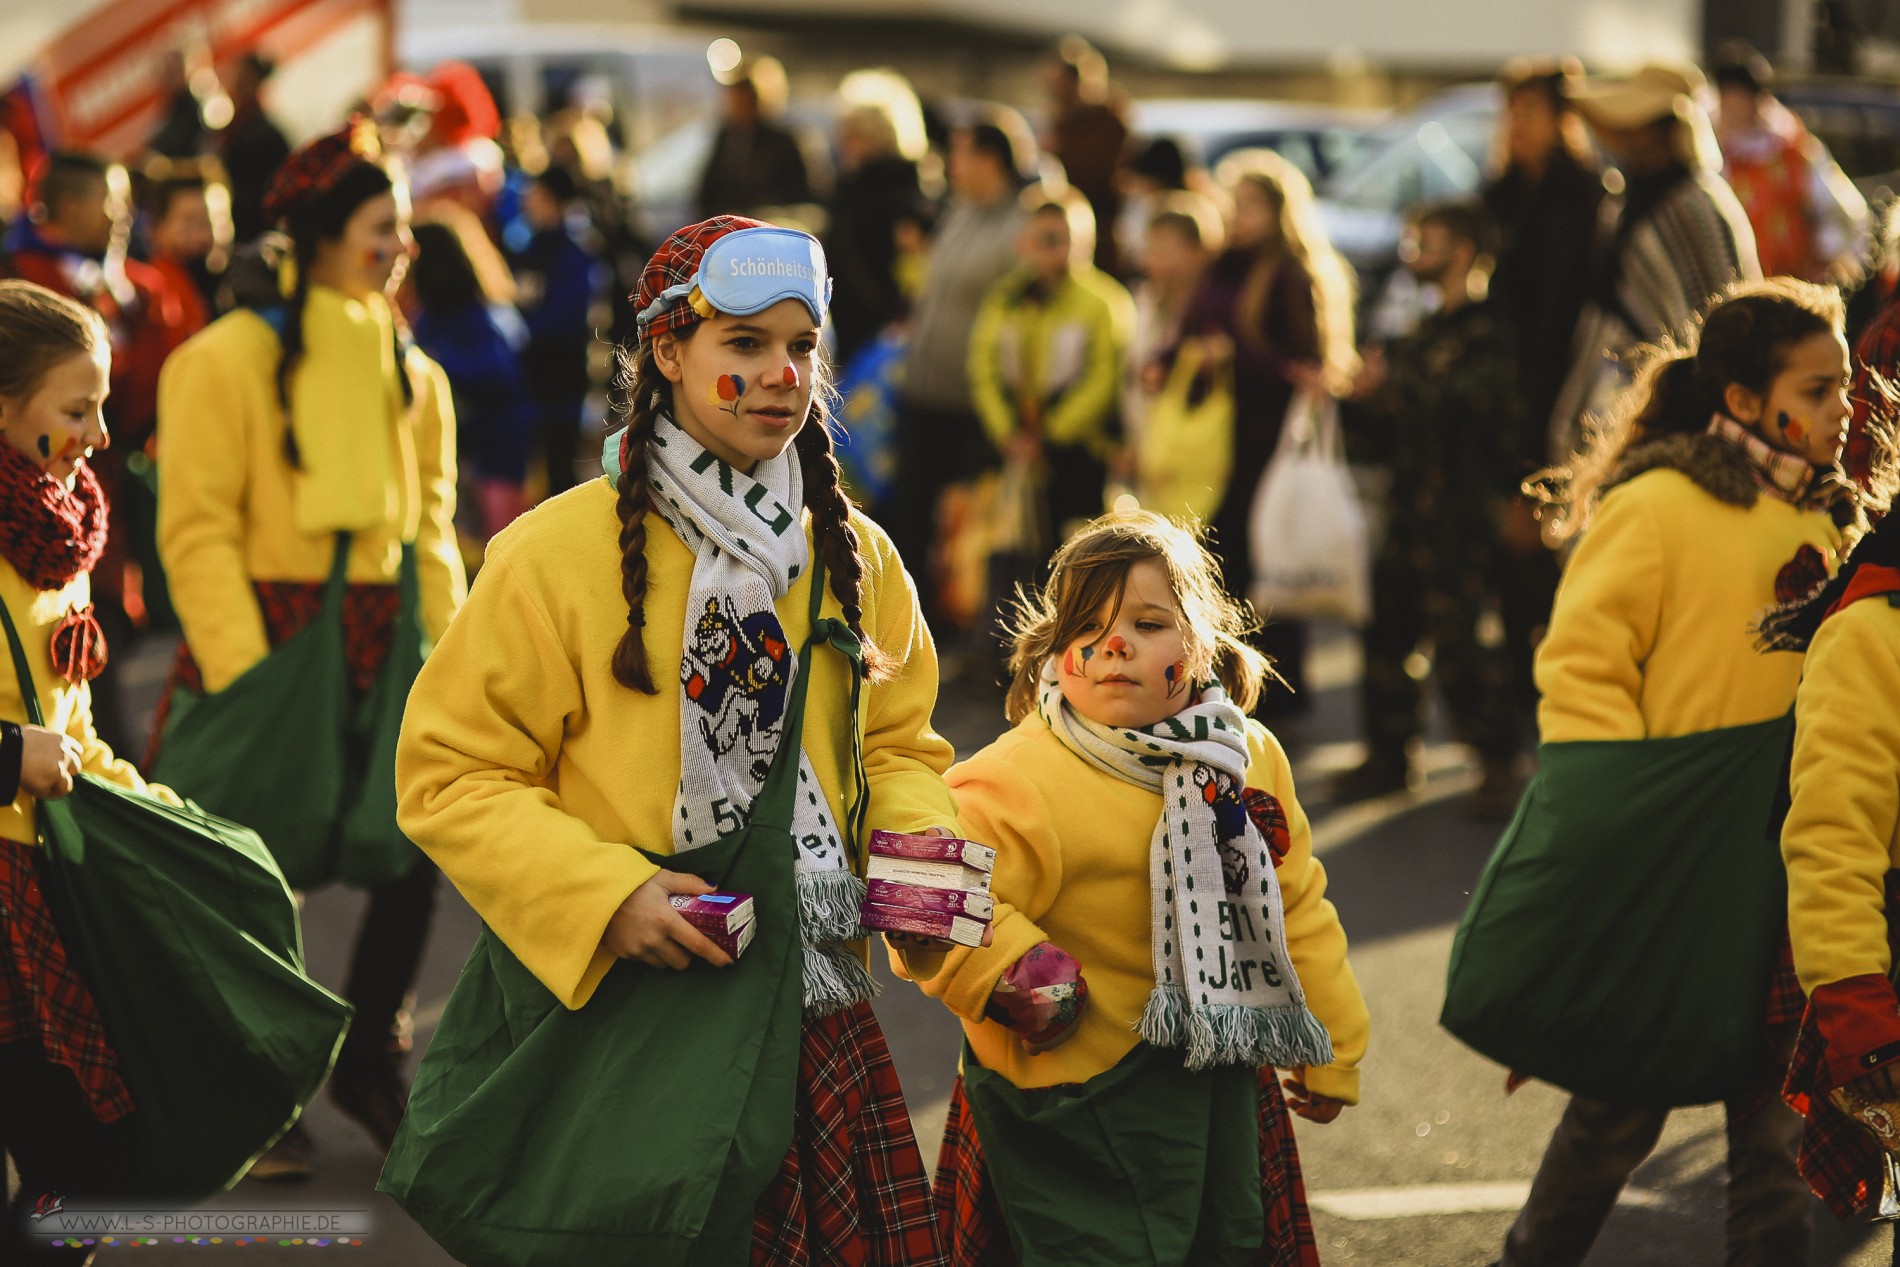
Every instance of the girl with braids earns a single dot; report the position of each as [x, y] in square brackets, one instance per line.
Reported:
[1639, 883]
[1148, 970]
[622, 706]
[298, 440]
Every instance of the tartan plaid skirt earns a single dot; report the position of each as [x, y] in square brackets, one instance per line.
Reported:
[369, 623]
[972, 1220]
[43, 999]
[852, 1191]
[1839, 1159]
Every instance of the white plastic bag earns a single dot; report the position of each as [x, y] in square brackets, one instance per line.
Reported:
[1311, 549]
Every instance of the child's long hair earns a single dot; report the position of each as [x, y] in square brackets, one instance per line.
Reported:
[39, 329]
[643, 395]
[1089, 573]
[1743, 338]
[1302, 239]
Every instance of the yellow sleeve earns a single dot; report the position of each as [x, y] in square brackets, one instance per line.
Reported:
[1845, 786]
[480, 737]
[1081, 416]
[904, 757]
[97, 757]
[439, 571]
[987, 392]
[1314, 936]
[1603, 625]
[203, 455]
[999, 808]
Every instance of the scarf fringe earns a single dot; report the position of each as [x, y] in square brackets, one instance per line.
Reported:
[835, 980]
[1234, 1034]
[830, 904]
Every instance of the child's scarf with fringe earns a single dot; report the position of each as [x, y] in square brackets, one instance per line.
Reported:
[1225, 988]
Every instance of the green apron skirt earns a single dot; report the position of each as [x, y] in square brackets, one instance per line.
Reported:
[1146, 1165]
[1620, 940]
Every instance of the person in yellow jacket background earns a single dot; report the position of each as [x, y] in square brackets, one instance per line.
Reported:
[278, 430]
[1047, 355]
[1841, 843]
[1161, 931]
[65, 1110]
[1712, 492]
[619, 683]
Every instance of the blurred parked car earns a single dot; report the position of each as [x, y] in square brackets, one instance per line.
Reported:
[1318, 139]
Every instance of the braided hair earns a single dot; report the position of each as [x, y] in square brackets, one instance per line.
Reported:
[311, 224]
[643, 396]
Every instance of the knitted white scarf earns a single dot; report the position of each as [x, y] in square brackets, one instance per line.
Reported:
[1225, 988]
[736, 672]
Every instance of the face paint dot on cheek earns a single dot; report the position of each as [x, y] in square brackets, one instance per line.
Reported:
[725, 389]
[46, 446]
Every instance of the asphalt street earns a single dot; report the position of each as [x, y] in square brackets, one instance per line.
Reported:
[1427, 1171]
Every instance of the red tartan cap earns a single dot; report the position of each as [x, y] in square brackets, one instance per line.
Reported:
[677, 263]
[315, 168]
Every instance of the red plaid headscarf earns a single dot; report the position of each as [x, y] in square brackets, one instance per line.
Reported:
[314, 170]
[676, 262]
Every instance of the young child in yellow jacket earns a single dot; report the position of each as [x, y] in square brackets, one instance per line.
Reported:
[1713, 491]
[1047, 354]
[65, 1111]
[1841, 843]
[618, 683]
[1161, 930]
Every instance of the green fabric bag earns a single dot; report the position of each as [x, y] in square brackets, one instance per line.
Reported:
[642, 1128]
[268, 750]
[187, 934]
[371, 850]
[322, 792]
[1620, 940]
[1146, 1165]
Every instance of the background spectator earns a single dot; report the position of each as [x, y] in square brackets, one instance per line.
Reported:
[251, 146]
[1676, 235]
[757, 163]
[1279, 302]
[1086, 133]
[940, 442]
[1808, 218]
[1183, 235]
[466, 323]
[1153, 171]
[188, 236]
[556, 281]
[880, 140]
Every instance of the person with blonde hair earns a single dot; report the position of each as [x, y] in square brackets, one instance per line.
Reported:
[1279, 302]
[880, 140]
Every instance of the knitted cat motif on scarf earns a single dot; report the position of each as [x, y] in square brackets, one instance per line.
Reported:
[737, 668]
[51, 534]
[1225, 986]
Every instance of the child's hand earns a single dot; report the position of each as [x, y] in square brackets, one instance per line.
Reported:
[647, 928]
[1310, 1105]
[49, 762]
[1040, 998]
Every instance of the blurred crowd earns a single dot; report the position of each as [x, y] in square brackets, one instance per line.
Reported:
[1031, 321]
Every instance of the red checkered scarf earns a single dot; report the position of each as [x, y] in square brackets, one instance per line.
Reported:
[51, 534]
[314, 170]
[1787, 476]
[676, 263]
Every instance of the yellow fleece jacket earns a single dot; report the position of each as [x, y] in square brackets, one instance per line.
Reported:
[228, 497]
[1652, 634]
[527, 771]
[1062, 358]
[1839, 837]
[66, 706]
[1072, 847]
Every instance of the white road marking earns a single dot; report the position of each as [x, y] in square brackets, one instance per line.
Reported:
[1424, 1200]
